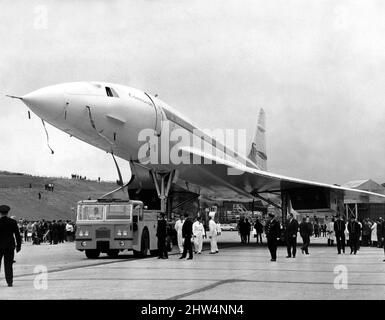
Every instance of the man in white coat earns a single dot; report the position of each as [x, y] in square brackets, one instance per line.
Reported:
[199, 233]
[178, 227]
[213, 235]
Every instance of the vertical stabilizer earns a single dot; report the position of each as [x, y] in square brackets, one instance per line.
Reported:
[258, 146]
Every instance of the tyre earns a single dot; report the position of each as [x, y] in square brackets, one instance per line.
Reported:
[113, 253]
[92, 253]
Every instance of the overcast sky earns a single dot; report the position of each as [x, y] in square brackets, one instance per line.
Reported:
[316, 67]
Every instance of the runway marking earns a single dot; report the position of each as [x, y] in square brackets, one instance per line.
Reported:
[242, 269]
[221, 282]
[217, 283]
[106, 263]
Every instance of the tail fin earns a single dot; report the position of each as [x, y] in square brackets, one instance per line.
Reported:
[258, 146]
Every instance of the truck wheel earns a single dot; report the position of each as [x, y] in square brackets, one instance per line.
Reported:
[92, 253]
[113, 253]
[144, 245]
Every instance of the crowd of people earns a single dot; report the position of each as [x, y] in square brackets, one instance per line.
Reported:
[42, 231]
[353, 234]
[189, 235]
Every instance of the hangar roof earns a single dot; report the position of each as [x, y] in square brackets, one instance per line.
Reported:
[367, 185]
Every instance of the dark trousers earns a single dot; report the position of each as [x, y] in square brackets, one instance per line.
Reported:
[162, 249]
[259, 235]
[291, 242]
[9, 255]
[353, 239]
[187, 246]
[340, 242]
[306, 242]
[272, 245]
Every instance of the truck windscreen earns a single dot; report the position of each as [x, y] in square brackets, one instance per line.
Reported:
[90, 212]
[119, 212]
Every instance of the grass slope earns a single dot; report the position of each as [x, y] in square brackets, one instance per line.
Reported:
[15, 191]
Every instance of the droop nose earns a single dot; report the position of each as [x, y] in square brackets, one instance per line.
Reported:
[48, 103]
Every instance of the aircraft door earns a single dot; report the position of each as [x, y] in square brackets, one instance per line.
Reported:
[159, 116]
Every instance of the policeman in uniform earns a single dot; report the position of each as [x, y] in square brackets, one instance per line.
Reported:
[8, 232]
[272, 230]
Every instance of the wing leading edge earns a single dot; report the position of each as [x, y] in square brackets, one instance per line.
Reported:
[236, 177]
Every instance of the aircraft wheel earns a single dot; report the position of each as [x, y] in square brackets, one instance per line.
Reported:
[92, 253]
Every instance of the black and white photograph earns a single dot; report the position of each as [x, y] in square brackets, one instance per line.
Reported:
[213, 152]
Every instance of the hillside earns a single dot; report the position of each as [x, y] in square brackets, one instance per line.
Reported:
[15, 191]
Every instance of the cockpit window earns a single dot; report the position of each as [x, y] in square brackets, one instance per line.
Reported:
[111, 92]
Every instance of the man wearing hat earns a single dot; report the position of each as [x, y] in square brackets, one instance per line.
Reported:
[8, 232]
[272, 230]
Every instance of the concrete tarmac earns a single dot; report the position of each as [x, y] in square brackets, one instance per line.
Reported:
[239, 272]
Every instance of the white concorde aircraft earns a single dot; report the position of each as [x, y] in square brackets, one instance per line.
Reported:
[142, 129]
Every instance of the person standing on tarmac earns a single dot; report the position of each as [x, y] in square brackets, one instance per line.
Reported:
[8, 233]
[339, 229]
[199, 233]
[178, 228]
[161, 233]
[272, 231]
[383, 235]
[258, 226]
[291, 235]
[305, 230]
[354, 235]
[213, 236]
[247, 231]
[187, 234]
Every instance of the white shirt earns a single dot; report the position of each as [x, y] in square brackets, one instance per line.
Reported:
[212, 227]
[198, 229]
[179, 225]
[219, 229]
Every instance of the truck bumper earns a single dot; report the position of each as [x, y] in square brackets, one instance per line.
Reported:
[104, 245]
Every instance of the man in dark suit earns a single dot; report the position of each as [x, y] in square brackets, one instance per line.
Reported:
[258, 226]
[8, 232]
[272, 231]
[339, 229]
[291, 235]
[383, 235]
[187, 233]
[161, 233]
[305, 230]
[354, 234]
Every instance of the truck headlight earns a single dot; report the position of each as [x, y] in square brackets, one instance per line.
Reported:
[125, 233]
[81, 233]
[86, 233]
[119, 233]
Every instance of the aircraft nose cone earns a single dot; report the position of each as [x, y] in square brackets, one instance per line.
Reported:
[47, 103]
